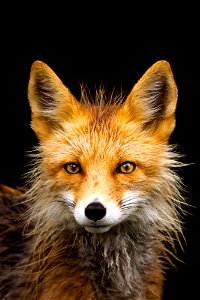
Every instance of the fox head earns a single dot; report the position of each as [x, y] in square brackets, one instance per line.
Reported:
[106, 163]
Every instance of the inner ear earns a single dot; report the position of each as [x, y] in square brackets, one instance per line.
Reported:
[157, 94]
[45, 92]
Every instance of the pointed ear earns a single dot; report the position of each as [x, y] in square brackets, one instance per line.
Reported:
[49, 99]
[152, 101]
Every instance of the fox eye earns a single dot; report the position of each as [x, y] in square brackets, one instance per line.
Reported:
[126, 167]
[72, 168]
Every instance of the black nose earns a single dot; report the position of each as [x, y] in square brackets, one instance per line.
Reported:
[95, 211]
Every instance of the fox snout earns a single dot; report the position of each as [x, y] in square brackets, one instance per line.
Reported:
[97, 215]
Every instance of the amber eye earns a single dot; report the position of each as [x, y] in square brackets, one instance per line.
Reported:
[72, 168]
[126, 168]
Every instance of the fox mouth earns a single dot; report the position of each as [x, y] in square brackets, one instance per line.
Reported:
[97, 229]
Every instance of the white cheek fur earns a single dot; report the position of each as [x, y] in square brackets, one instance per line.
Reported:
[69, 199]
[131, 199]
[134, 200]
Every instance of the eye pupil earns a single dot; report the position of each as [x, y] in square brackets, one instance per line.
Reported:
[72, 168]
[126, 167]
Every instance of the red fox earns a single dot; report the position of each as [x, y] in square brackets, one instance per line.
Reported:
[103, 202]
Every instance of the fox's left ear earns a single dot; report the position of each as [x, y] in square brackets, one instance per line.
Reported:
[152, 101]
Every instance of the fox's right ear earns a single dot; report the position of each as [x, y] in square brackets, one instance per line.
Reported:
[50, 100]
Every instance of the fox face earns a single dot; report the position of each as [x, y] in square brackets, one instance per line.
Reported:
[104, 164]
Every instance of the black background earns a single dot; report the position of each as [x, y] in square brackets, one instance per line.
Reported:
[112, 45]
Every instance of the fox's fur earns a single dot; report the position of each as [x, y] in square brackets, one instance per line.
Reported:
[103, 203]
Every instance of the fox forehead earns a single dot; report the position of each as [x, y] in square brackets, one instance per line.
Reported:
[102, 139]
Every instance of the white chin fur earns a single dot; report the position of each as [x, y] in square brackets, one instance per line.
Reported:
[100, 229]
